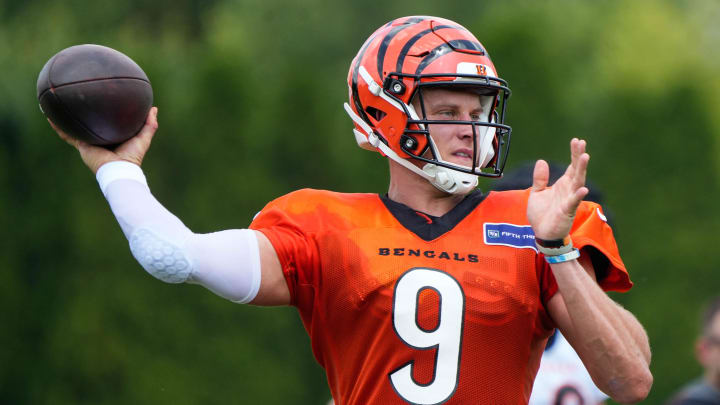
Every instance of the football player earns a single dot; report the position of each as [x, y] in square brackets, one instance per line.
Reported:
[434, 292]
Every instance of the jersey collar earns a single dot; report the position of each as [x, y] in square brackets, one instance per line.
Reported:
[429, 227]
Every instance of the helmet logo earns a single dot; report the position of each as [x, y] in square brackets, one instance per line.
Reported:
[475, 69]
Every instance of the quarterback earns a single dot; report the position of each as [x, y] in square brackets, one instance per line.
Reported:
[434, 292]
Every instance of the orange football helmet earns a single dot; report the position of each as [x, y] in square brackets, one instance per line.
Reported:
[390, 71]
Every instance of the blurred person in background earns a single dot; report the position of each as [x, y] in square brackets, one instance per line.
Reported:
[434, 292]
[562, 379]
[706, 389]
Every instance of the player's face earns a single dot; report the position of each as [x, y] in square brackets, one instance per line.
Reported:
[454, 142]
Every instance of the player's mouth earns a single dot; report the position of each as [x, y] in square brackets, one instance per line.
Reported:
[463, 157]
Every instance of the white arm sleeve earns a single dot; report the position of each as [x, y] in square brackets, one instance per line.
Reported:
[226, 262]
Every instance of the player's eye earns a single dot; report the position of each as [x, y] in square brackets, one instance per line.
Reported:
[477, 115]
[446, 114]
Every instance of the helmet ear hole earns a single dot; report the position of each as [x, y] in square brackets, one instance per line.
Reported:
[376, 114]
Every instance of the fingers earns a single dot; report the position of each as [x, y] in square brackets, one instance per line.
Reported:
[572, 203]
[541, 174]
[76, 143]
[577, 172]
[578, 163]
[65, 137]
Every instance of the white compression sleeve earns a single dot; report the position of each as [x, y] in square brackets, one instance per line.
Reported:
[226, 262]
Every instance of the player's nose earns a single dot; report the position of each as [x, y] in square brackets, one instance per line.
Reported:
[464, 131]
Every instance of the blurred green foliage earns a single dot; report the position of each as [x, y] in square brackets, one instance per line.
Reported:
[250, 96]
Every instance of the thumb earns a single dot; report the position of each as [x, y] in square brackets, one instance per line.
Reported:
[148, 130]
[541, 174]
[134, 149]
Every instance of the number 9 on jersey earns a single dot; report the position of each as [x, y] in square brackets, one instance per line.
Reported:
[446, 338]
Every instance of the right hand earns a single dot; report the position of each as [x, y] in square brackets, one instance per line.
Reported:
[133, 150]
[551, 210]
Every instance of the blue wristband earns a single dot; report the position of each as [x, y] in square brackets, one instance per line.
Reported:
[572, 255]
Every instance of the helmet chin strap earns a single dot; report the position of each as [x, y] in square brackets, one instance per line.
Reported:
[449, 180]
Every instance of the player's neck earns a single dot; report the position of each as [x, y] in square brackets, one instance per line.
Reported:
[417, 193]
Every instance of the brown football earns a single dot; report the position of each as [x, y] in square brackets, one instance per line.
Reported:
[95, 94]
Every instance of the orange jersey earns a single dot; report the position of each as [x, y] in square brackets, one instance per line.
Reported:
[402, 307]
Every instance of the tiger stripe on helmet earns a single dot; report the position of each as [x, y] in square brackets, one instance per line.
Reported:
[406, 48]
[388, 38]
[383, 49]
[434, 54]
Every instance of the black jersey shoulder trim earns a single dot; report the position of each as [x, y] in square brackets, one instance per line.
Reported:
[417, 222]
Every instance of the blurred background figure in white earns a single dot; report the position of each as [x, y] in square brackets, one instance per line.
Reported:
[562, 378]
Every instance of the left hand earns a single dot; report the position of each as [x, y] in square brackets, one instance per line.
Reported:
[551, 210]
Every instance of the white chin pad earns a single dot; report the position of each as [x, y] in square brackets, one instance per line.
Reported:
[450, 181]
[162, 259]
